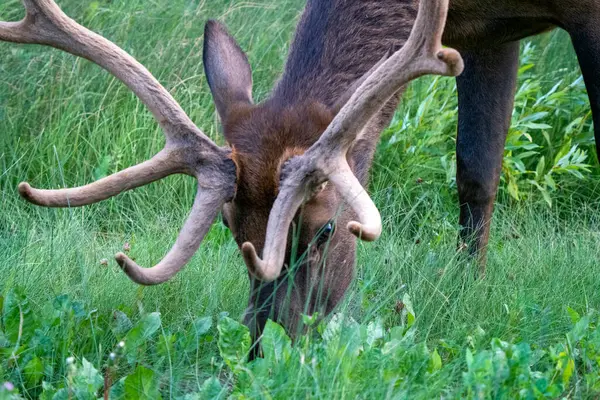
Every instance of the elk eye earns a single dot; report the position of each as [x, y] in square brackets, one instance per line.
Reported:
[327, 231]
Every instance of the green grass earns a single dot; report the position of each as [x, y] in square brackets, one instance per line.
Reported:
[65, 122]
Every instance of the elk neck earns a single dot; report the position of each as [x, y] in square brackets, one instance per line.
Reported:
[336, 43]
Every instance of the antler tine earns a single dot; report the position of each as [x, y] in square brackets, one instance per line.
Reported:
[161, 165]
[422, 54]
[187, 149]
[46, 24]
[205, 209]
[282, 214]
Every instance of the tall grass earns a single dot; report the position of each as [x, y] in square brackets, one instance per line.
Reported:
[65, 122]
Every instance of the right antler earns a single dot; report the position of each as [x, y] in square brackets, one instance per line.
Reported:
[187, 149]
[326, 159]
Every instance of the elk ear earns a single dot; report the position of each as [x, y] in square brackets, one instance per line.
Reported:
[227, 69]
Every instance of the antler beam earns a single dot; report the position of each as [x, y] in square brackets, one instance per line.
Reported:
[187, 149]
[326, 159]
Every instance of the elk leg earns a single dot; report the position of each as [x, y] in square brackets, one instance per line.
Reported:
[586, 40]
[485, 102]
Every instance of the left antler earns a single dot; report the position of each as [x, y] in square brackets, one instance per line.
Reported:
[187, 149]
[326, 159]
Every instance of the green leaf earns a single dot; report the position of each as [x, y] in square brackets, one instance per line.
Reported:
[374, 332]
[34, 371]
[568, 372]
[48, 392]
[15, 308]
[536, 126]
[310, 320]
[88, 379]
[519, 165]
[541, 167]
[579, 330]
[550, 181]
[435, 361]
[544, 191]
[571, 127]
[166, 345]
[525, 68]
[63, 394]
[564, 150]
[513, 189]
[575, 317]
[117, 390]
[333, 329]
[408, 312]
[469, 358]
[120, 324]
[202, 326]
[141, 332]
[212, 389]
[234, 342]
[276, 344]
[527, 154]
[534, 117]
[142, 384]
[102, 169]
[547, 198]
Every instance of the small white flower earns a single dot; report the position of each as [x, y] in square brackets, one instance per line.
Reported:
[121, 344]
[70, 360]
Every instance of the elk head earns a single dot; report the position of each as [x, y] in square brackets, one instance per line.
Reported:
[287, 176]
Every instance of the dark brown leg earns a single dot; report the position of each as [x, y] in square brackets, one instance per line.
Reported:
[485, 97]
[586, 40]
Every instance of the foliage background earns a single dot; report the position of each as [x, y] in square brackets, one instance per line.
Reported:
[65, 122]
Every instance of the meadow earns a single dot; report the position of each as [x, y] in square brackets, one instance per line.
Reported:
[416, 323]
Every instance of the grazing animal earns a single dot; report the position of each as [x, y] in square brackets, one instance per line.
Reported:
[298, 162]
[308, 147]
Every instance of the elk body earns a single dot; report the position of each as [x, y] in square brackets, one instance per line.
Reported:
[290, 184]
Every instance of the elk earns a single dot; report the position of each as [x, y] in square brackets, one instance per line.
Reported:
[298, 162]
[281, 155]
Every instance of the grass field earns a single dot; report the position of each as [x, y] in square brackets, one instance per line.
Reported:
[415, 324]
